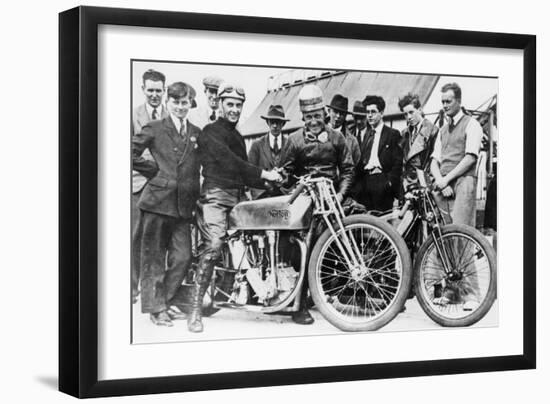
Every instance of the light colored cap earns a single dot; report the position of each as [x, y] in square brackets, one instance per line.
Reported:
[212, 82]
[310, 98]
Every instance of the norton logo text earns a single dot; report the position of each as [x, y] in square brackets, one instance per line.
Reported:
[279, 214]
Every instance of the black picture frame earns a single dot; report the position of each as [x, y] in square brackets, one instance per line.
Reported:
[78, 200]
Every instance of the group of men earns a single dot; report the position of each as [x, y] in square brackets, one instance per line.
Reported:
[173, 146]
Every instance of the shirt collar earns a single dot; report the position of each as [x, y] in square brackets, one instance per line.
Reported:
[457, 117]
[272, 139]
[177, 122]
[150, 109]
[378, 129]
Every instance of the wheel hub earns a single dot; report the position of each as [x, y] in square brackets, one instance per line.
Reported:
[454, 276]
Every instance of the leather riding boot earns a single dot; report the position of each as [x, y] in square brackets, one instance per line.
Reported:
[202, 281]
[302, 316]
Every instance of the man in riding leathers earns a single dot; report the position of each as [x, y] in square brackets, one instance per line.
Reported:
[317, 147]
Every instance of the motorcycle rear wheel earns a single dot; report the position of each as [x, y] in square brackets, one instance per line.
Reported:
[474, 258]
[369, 299]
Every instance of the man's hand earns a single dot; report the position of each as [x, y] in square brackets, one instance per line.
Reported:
[447, 192]
[340, 197]
[272, 175]
[441, 183]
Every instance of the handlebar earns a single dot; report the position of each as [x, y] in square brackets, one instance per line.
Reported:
[297, 191]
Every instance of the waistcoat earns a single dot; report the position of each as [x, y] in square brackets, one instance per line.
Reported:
[453, 146]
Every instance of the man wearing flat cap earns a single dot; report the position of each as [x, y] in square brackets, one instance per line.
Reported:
[266, 151]
[338, 111]
[317, 147]
[210, 112]
[163, 236]
[226, 172]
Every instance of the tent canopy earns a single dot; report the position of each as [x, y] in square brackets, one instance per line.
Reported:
[353, 85]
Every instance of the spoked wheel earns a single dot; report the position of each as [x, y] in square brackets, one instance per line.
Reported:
[463, 296]
[364, 297]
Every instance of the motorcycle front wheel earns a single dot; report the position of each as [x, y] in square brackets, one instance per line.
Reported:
[364, 297]
[463, 296]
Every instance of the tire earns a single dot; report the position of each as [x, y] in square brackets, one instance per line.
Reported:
[432, 284]
[375, 298]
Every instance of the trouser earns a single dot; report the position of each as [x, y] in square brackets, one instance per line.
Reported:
[461, 209]
[212, 220]
[136, 244]
[375, 194]
[165, 256]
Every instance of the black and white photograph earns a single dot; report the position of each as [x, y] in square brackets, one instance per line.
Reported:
[271, 202]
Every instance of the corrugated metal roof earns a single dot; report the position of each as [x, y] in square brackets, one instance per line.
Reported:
[354, 85]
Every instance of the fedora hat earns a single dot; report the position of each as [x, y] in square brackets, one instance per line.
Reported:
[339, 103]
[359, 109]
[275, 112]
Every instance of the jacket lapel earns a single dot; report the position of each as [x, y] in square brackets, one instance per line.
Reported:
[172, 133]
[419, 144]
[266, 150]
[142, 117]
[383, 138]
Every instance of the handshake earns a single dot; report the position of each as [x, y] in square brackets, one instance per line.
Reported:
[273, 176]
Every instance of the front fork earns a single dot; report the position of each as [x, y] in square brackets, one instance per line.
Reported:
[329, 206]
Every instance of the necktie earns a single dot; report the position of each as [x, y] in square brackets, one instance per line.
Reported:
[370, 141]
[154, 115]
[182, 127]
[451, 123]
[212, 116]
[276, 148]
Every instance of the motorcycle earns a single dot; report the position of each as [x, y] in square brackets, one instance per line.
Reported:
[453, 264]
[358, 268]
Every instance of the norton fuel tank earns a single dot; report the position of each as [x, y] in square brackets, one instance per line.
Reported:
[272, 214]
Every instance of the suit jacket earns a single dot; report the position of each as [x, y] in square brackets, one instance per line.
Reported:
[417, 155]
[260, 155]
[390, 155]
[140, 118]
[173, 186]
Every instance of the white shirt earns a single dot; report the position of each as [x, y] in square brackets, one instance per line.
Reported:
[374, 162]
[150, 109]
[178, 123]
[362, 135]
[273, 139]
[474, 135]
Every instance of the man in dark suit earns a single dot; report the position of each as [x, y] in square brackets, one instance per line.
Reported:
[338, 111]
[266, 151]
[167, 203]
[379, 173]
[153, 83]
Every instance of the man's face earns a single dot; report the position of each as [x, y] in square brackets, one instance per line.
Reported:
[275, 126]
[451, 105]
[212, 97]
[412, 115]
[350, 126]
[360, 122]
[314, 121]
[153, 91]
[374, 116]
[231, 109]
[337, 118]
[179, 107]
